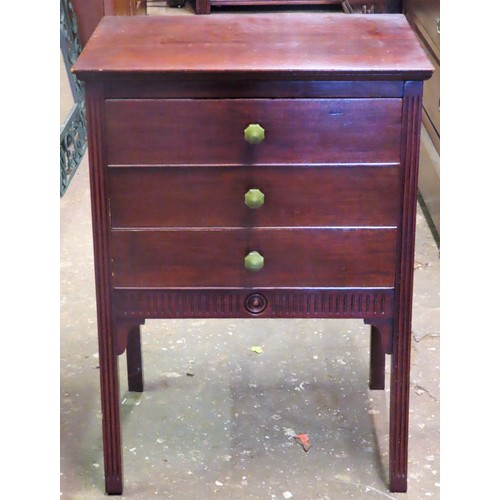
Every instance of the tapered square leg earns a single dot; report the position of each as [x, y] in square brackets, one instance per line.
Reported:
[113, 484]
[377, 360]
[134, 360]
[400, 363]
[106, 327]
[380, 345]
[399, 417]
[111, 427]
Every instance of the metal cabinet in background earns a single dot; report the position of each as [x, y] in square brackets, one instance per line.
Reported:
[78, 19]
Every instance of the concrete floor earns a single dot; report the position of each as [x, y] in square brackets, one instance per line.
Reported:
[225, 430]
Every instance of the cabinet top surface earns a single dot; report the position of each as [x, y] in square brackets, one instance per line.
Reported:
[288, 46]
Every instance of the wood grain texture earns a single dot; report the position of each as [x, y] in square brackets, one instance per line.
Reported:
[215, 257]
[108, 360]
[158, 197]
[211, 131]
[311, 46]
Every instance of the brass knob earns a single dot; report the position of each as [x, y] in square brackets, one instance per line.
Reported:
[254, 133]
[254, 198]
[254, 261]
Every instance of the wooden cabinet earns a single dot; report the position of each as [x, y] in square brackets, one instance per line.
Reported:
[124, 7]
[254, 166]
[423, 16]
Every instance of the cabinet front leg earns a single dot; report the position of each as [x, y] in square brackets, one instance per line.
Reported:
[400, 364]
[399, 414]
[111, 426]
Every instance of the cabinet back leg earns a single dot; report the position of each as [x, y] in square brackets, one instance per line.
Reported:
[377, 360]
[134, 360]
[380, 345]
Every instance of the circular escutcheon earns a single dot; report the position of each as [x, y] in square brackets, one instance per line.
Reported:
[255, 303]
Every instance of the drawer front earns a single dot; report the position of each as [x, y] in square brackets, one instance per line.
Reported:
[211, 131]
[216, 258]
[293, 196]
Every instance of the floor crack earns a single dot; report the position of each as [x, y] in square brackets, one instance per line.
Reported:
[366, 486]
[421, 390]
[419, 338]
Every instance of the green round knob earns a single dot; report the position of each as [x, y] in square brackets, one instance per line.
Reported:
[254, 133]
[254, 198]
[254, 261]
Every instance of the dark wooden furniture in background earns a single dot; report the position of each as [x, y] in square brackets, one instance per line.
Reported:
[284, 188]
[372, 6]
[423, 16]
[90, 12]
[354, 6]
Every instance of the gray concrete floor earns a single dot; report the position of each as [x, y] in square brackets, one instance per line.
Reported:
[225, 432]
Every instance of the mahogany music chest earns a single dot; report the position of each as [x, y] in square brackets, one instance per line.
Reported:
[251, 166]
